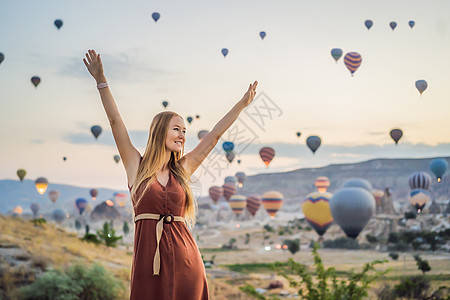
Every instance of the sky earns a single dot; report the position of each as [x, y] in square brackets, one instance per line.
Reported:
[179, 59]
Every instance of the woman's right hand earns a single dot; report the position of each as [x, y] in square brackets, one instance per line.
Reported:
[94, 65]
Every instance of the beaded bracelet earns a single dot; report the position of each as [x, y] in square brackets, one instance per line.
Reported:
[102, 85]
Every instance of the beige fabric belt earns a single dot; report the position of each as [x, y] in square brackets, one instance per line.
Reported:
[168, 219]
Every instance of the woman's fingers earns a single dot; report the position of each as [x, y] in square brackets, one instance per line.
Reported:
[88, 58]
[85, 62]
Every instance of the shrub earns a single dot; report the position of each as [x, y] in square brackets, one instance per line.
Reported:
[371, 238]
[393, 255]
[400, 246]
[410, 215]
[415, 287]
[126, 228]
[422, 265]
[293, 245]
[268, 228]
[342, 243]
[108, 235]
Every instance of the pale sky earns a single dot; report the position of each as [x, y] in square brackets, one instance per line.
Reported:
[179, 59]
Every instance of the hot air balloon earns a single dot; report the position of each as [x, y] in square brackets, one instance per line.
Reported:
[202, 134]
[18, 210]
[411, 23]
[156, 16]
[197, 117]
[58, 215]
[189, 119]
[241, 178]
[35, 80]
[313, 142]
[352, 208]
[336, 53]
[165, 103]
[316, 209]
[419, 180]
[272, 202]
[58, 23]
[228, 146]
[237, 204]
[368, 23]
[230, 179]
[419, 198]
[253, 204]
[378, 195]
[81, 204]
[230, 156]
[53, 195]
[94, 193]
[358, 182]
[396, 135]
[352, 61]
[239, 161]
[421, 85]
[121, 199]
[215, 192]
[267, 154]
[393, 25]
[224, 52]
[96, 130]
[262, 34]
[35, 208]
[116, 158]
[2, 57]
[439, 166]
[109, 203]
[322, 183]
[64, 158]
[41, 185]
[298, 133]
[21, 173]
[229, 189]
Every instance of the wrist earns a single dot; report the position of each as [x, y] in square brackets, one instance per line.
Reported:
[101, 79]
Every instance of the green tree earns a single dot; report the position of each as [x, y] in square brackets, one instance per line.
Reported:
[293, 245]
[77, 224]
[108, 235]
[423, 265]
[126, 228]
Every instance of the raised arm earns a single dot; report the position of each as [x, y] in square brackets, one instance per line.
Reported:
[128, 153]
[194, 159]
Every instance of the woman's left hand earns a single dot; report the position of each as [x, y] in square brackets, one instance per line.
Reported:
[250, 94]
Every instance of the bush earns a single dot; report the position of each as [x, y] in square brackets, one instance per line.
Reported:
[415, 287]
[371, 238]
[341, 243]
[393, 255]
[400, 246]
[410, 215]
[423, 265]
[75, 282]
[108, 235]
[268, 228]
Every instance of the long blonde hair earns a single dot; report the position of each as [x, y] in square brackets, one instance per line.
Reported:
[153, 159]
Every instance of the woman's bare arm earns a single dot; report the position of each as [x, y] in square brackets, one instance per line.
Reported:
[128, 153]
[194, 159]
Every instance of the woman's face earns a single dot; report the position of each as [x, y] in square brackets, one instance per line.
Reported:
[176, 134]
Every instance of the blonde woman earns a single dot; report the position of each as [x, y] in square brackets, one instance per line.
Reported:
[166, 261]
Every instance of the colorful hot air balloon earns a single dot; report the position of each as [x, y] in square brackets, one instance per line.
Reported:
[53, 195]
[121, 199]
[419, 198]
[215, 192]
[393, 25]
[230, 179]
[224, 52]
[352, 208]
[229, 189]
[439, 166]
[230, 156]
[58, 215]
[58, 23]
[41, 185]
[35, 80]
[419, 180]
[202, 134]
[21, 173]
[352, 61]
[35, 208]
[116, 158]
[189, 119]
[396, 135]
[368, 23]
[18, 210]
[253, 204]
[241, 178]
[322, 183]
[411, 23]
[2, 57]
[313, 142]
[94, 193]
[81, 204]
[378, 195]
[421, 85]
[96, 130]
[316, 209]
[267, 154]
[262, 34]
[272, 202]
[156, 16]
[228, 146]
[165, 103]
[336, 53]
[237, 204]
[358, 182]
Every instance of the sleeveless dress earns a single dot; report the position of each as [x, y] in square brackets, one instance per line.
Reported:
[182, 273]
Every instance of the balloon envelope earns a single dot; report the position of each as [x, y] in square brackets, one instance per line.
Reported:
[421, 85]
[267, 154]
[368, 23]
[94, 193]
[336, 53]
[241, 178]
[352, 208]
[35, 208]
[316, 208]
[230, 156]
[156, 16]
[229, 189]
[253, 204]
[81, 204]
[439, 166]
[224, 52]
[96, 130]
[262, 34]
[419, 180]
[189, 119]
[116, 158]
[58, 215]
[298, 133]
[411, 23]
[35, 80]
[393, 25]
[358, 182]
[58, 23]
[215, 192]
[313, 142]
[53, 195]
[2, 57]
[121, 199]
[352, 61]
[272, 202]
[230, 179]
[21, 173]
[41, 185]
[202, 134]
[237, 204]
[396, 135]
[228, 146]
[322, 183]
[165, 103]
[419, 198]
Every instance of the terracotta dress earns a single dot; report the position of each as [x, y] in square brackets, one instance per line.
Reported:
[182, 273]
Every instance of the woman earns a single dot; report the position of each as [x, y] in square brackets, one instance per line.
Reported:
[166, 261]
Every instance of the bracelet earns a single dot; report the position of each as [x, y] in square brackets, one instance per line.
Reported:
[102, 85]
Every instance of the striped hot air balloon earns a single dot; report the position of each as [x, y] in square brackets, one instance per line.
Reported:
[272, 202]
[215, 192]
[322, 183]
[253, 204]
[267, 154]
[419, 180]
[229, 189]
[237, 204]
[352, 61]
[316, 209]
